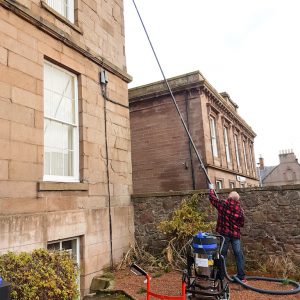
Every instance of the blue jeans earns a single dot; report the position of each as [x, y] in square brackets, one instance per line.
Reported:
[238, 253]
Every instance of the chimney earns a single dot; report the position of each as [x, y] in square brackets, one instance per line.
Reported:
[261, 163]
[287, 156]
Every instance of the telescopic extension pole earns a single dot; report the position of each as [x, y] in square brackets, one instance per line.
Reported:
[173, 98]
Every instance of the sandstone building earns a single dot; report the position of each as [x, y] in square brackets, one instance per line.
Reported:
[65, 173]
[162, 156]
[286, 173]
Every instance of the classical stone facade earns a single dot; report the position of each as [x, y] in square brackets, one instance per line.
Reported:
[65, 173]
[163, 158]
[272, 224]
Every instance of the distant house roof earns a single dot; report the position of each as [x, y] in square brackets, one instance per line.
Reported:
[287, 172]
[265, 171]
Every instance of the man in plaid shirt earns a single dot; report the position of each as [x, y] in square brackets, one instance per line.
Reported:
[230, 221]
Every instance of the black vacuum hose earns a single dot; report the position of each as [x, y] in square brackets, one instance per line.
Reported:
[271, 292]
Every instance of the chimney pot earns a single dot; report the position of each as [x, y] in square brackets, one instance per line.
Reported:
[261, 163]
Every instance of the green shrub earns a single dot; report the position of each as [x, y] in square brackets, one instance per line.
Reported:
[187, 220]
[40, 275]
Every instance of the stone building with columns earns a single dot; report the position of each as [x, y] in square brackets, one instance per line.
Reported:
[162, 156]
[65, 151]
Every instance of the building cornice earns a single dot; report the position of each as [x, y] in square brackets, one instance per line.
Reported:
[64, 37]
[217, 101]
[156, 89]
[190, 81]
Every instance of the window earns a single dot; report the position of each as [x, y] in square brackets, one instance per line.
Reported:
[61, 159]
[245, 155]
[251, 158]
[70, 245]
[226, 145]
[231, 184]
[213, 135]
[63, 7]
[236, 150]
[219, 184]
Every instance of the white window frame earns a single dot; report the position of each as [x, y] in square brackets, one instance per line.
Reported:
[77, 254]
[219, 184]
[226, 143]
[75, 136]
[213, 134]
[231, 184]
[245, 155]
[251, 158]
[236, 150]
[63, 7]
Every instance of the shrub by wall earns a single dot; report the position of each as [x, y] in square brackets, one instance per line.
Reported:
[40, 275]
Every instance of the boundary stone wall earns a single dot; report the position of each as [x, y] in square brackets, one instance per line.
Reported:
[272, 218]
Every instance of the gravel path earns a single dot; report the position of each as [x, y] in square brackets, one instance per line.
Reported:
[170, 284]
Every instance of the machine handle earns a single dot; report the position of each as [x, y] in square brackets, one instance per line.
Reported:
[222, 239]
[185, 277]
[135, 269]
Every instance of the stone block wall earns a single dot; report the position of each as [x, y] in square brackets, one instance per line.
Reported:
[161, 158]
[272, 218]
[33, 212]
[98, 25]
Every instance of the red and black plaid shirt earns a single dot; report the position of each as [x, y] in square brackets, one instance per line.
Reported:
[230, 216]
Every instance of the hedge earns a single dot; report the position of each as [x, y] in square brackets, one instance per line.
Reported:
[40, 275]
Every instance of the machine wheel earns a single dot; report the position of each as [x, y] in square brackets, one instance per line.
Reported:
[190, 296]
[225, 295]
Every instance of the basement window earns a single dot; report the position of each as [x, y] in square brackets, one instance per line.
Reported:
[72, 246]
[69, 245]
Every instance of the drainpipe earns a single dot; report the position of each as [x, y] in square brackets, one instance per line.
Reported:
[103, 83]
[190, 146]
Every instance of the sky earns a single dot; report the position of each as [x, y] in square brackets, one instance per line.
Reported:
[248, 48]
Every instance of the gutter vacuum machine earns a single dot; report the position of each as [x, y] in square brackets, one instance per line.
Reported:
[205, 276]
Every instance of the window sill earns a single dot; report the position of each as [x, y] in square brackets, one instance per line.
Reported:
[60, 17]
[62, 186]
